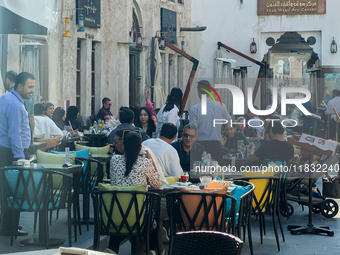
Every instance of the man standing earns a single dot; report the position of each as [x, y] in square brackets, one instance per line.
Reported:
[187, 148]
[333, 103]
[9, 82]
[15, 135]
[166, 154]
[208, 135]
[104, 112]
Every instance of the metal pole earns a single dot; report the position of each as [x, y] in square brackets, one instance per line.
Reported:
[152, 69]
[4, 49]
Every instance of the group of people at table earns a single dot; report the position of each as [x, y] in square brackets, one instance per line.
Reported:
[138, 159]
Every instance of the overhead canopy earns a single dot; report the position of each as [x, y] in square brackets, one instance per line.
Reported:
[23, 17]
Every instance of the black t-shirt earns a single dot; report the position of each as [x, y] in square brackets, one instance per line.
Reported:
[275, 149]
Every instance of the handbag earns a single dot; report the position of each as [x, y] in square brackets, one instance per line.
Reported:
[331, 186]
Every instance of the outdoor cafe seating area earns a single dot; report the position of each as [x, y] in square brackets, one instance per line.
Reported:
[72, 205]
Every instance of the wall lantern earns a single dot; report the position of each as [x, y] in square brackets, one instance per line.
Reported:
[182, 43]
[162, 44]
[253, 47]
[334, 46]
[66, 33]
[81, 23]
[139, 43]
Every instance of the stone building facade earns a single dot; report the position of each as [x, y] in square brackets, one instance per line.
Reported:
[103, 61]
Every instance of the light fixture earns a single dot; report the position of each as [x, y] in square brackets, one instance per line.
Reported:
[334, 46]
[139, 43]
[81, 23]
[182, 43]
[253, 47]
[162, 44]
[66, 33]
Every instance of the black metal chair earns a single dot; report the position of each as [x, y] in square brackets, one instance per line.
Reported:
[206, 242]
[268, 202]
[191, 211]
[126, 214]
[244, 213]
[32, 190]
[85, 183]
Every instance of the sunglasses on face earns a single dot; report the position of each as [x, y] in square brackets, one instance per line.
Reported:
[187, 135]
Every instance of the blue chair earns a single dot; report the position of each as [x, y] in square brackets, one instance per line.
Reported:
[31, 190]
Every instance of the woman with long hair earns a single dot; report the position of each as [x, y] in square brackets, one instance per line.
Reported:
[131, 168]
[146, 121]
[72, 118]
[169, 112]
[59, 117]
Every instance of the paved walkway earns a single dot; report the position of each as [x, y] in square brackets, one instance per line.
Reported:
[300, 244]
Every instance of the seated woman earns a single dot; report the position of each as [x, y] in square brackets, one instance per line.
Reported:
[132, 168]
[72, 118]
[230, 137]
[246, 130]
[59, 117]
[146, 121]
[49, 109]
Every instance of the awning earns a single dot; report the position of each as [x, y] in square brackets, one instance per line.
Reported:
[24, 17]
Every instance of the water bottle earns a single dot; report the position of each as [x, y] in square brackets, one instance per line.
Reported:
[91, 130]
[285, 135]
[204, 156]
[209, 159]
[67, 155]
[95, 126]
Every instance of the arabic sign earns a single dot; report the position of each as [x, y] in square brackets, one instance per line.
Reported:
[91, 12]
[290, 7]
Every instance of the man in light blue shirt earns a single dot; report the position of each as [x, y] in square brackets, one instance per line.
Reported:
[15, 134]
[208, 135]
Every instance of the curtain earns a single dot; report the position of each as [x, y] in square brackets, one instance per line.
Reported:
[30, 63]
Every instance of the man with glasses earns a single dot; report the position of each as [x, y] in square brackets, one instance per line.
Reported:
[188, 151]
[104, 113]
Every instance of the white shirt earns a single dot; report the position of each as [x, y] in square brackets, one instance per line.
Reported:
[335, 102]
[166, 155]
[157, 166]
[46, 126]
[167, 117]
[205, 123]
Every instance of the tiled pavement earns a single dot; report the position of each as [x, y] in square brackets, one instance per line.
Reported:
[294, 244]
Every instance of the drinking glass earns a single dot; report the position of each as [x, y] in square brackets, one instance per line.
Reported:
[154, 135]
[184, 176]
[240, 144]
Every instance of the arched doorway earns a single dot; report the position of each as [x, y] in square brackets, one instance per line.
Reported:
[135, 49]
[289, 62]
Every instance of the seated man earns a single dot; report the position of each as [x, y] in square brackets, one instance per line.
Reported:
[230, 137]
[126, 118]
[276, 148]
[104, 112]
[166, 154]
[44, 125]
[120, 149]
[188, 151]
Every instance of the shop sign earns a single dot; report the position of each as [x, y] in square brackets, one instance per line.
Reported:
[91, 12]
[290, 7]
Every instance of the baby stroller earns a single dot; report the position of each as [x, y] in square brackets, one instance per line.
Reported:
[295, 188]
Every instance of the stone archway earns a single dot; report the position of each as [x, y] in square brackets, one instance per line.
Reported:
[287, 63]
